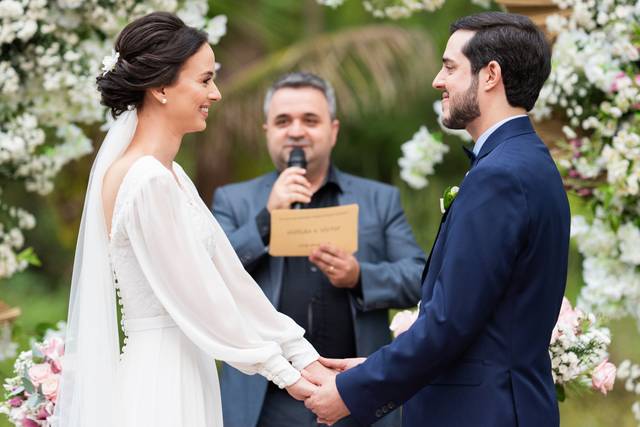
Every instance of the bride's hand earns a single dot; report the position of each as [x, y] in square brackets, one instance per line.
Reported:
[301, 389]
[319, 372]
[341, 365]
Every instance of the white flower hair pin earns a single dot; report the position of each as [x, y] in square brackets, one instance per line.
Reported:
[109, 62]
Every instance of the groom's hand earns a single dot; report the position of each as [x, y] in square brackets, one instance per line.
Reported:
[341, 365]
[319, 371]
[342, 268]
[326, 402]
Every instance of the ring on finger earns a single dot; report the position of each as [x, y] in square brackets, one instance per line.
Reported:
[331, 269]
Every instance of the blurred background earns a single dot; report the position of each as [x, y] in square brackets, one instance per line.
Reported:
[382, 72]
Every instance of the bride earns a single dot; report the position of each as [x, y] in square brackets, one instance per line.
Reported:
[145, 233]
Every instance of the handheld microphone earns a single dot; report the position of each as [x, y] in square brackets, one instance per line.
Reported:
[297, 158]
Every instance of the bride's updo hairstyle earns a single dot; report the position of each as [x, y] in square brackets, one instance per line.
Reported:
[150, 52]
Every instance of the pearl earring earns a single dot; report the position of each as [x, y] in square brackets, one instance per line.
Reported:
[164, 100]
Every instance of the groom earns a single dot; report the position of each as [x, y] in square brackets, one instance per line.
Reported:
[478, 353]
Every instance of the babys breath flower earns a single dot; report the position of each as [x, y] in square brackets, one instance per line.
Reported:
[629, 237]
[109, 62]
[331, 3]
[482, 3]
[10, 9]
[217, 28]
[420, 155]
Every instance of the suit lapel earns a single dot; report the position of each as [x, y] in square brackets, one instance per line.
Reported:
[512, 128]
[426, 266]
[346, 196]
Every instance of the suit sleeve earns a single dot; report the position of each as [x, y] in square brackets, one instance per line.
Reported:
[489, 220]
[394, 282]
[245, 238]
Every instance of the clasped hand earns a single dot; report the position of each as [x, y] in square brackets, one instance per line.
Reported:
[318, 389]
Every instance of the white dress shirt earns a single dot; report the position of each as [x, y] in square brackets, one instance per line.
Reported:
[487, 133]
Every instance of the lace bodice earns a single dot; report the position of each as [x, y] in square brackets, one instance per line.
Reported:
[135, 294]
[171, 259]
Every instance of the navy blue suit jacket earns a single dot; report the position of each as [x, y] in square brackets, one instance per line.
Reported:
[390, 266]
[478, 353]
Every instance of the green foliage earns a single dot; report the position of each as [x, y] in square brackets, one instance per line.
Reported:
[560, 393]
[30, 257]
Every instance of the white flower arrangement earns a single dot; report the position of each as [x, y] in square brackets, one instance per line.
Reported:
[50, 54]
[30, 395]
[595, 85]
[578, 350]
[630, 373]
[331, 3]
[397, 9]
[419, 156]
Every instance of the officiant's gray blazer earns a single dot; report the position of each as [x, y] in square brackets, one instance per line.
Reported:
[390, 263]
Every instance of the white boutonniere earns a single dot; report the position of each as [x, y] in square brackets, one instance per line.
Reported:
[447, 198]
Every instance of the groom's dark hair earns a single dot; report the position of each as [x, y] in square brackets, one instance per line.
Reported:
[514, 42]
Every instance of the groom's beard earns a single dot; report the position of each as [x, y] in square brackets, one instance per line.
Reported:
[464, 110]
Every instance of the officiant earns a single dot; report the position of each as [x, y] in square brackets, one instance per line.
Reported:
[341, 299]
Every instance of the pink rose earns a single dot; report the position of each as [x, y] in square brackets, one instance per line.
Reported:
[621, 81]
[568, 316]
[56, 366]
[50, 388]
[39, 373]
[403, 321]
[26, 422]
[53, 348]
[565, 307]
[603, 377]
[15, 402]
[42, 414]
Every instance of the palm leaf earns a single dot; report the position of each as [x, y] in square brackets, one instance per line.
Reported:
[372, 69]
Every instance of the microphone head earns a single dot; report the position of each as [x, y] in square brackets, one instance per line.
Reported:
[297, 158]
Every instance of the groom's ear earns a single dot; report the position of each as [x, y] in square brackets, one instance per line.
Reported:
[491, 76]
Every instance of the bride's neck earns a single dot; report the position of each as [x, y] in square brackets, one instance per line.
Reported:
[155, 136]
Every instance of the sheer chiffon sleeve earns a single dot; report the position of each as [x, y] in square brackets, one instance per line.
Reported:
[212, 303]
[256, 309]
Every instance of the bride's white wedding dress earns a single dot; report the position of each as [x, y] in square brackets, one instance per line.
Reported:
[186, 299]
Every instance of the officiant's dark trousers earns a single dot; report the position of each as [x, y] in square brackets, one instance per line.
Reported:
[280, 409]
